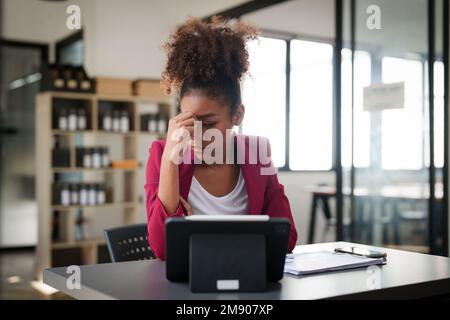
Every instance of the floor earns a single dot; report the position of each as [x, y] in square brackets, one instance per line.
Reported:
[16, 271]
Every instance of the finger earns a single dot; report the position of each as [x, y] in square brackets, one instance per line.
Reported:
[184, 115]
[187, 122]
[187, 206]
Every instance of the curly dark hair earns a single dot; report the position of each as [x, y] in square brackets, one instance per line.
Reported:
[208, 56]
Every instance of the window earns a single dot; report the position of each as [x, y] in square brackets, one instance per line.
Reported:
[361, 118]
[311, 106]
[264, 95]
[438, 115]
[403, 148]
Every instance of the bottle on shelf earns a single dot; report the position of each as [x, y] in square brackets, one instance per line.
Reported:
[92, 195]
[105, 157]
[153, 123]
[87, 158]
[107, 121]
[79, 226]
[161, 125]
[116, 121]
[83, 194]
[62, 119]
[124, 122]
[64, 194]
[74, 194]
[96, 158]
[81, 119]
[101, 194]
[72, 120]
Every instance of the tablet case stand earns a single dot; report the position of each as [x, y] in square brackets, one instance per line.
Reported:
[227, 262]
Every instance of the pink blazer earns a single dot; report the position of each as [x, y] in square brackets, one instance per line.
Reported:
[265, 194]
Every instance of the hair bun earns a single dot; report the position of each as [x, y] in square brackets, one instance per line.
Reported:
[200, 52]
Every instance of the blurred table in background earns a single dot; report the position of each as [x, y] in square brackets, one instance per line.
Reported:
[376, 209]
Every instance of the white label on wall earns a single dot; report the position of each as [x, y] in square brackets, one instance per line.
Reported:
[383, 96]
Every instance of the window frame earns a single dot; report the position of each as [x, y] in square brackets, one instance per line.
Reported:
[288, 37]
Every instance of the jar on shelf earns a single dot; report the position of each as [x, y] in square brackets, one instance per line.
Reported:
[62, 119]
[81, 119]
[72, 120]
[107, 121]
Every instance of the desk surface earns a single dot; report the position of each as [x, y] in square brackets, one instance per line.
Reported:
[406, 275]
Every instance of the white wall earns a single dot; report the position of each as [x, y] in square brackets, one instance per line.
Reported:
[300, 200]
[37, 21]
[124, 38]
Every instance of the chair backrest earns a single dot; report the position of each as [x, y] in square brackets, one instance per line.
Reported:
[128, 243]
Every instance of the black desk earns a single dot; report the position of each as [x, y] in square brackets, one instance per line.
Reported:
[407, 275]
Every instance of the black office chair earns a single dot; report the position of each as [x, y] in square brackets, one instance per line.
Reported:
[128, 243]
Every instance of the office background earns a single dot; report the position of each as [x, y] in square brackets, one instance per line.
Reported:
[382, 192]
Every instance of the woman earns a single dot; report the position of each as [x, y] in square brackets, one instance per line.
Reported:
[206, 62]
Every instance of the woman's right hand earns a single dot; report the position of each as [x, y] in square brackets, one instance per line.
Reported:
[181, 124]
[169, 180]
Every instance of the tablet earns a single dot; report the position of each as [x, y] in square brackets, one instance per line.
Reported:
[179, 230]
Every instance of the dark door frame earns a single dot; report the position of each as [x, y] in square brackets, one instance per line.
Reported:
[28, 44]
[44, 52]
[432, 170]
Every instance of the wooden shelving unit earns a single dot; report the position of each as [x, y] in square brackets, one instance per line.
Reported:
[46, 175]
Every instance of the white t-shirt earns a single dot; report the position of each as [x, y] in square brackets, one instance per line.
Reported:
[202, 202]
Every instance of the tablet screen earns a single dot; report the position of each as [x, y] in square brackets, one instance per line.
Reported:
[223, 217]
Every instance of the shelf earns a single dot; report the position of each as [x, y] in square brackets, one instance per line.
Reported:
[70, 95]
[106, 205]
[155, 100]
[103, 97]
[152, 134]
[126, 186]
[78, 243]
[98, 132]
[109, 169]
[112, 133]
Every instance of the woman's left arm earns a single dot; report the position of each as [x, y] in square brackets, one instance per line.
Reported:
[276, 204]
